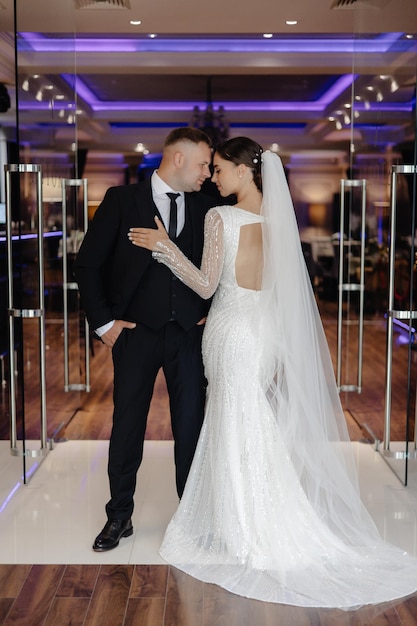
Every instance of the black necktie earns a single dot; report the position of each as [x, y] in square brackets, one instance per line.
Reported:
[172, 229]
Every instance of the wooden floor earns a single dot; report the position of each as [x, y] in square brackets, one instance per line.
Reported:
[158, 595]
[124, 595]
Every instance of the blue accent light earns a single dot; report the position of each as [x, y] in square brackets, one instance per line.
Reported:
[206, 43]
[318, 105]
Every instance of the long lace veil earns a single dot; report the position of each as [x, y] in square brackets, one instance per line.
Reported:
[299, 376]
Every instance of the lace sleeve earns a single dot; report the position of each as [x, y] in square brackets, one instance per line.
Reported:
[203, 281]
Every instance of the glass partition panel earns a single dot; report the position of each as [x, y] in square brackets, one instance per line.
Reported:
[72, 93]
[37, 142]
[383, 139]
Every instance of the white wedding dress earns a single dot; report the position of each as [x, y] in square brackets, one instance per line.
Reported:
[249, 520]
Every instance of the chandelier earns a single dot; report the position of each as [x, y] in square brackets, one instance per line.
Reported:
[212, 122]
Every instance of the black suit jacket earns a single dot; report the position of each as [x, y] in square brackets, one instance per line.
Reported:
[109, 268]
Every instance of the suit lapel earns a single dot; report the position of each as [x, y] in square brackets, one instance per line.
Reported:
[141, 214]
[145, 206]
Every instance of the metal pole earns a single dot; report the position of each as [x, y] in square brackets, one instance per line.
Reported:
[345, 287]
[362, 287]
[69, 285]
[394, 314]
[340, 285]
[14, 312]
[12, 354]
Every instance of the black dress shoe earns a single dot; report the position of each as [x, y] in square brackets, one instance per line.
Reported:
[111, 534]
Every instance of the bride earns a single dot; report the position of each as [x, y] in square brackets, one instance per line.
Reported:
[271, 508]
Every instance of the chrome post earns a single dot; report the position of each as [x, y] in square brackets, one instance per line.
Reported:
[38, 313]
[70, 285]
[340, 285]
[345, 287]
[362, 287]
[393, 314]
[390, 327]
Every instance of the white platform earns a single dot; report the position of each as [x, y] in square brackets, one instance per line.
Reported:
[55, 517]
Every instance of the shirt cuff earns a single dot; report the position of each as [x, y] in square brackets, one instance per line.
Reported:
[103, 329]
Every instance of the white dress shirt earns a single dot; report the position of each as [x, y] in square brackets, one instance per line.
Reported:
[159, 193]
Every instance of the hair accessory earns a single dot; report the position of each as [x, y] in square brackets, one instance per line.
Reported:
[257, 157]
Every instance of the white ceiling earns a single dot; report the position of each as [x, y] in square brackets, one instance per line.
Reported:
[215, 16]
[260, 72]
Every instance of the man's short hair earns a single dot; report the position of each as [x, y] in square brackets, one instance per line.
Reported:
[186, 133]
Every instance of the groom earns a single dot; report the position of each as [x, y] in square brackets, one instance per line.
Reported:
[147, 317]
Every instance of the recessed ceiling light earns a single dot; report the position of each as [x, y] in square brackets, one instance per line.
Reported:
[152, 35]
[267, 35]
[135, 22]
[291, 22]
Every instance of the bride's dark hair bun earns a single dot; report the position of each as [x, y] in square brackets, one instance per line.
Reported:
[244, 150]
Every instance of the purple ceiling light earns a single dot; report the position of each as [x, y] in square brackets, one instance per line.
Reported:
[304, 44]
[318, 105]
